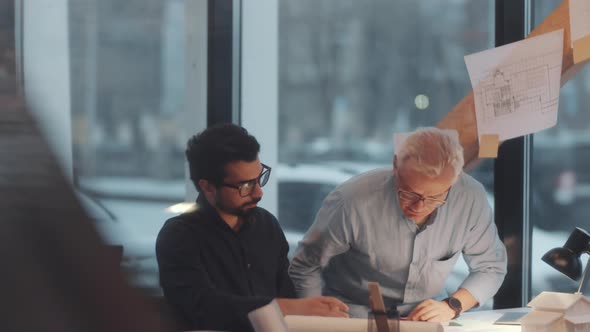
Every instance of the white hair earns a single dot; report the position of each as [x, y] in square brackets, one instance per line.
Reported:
[433, 149]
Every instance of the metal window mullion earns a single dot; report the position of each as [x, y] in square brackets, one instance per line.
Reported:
[237, 62]
[526, 188]
[220, 62]
[512, 166]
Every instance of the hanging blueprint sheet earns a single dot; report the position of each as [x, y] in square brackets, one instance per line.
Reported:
[516, 86]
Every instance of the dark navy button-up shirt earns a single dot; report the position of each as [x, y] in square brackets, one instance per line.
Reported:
[212, 276]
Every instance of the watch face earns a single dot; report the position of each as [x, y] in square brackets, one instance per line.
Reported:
[454, 303]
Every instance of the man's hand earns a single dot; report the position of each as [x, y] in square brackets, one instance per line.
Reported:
[314, 306]
[432, 311]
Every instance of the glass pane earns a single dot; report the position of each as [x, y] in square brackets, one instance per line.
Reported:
[351, 73]
[127, 73]
[560, 186]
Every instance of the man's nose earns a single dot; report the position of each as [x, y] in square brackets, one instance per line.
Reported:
[419, 204]
[257, 192]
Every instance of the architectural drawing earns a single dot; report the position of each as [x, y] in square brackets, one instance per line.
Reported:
[516, 86]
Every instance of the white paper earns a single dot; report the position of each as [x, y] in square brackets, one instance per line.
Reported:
[579, 19]
[479, 321]
[322, 324]
[468, 325]
[268, 318]
[516, 86]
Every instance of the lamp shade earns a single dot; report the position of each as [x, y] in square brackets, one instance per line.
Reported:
[566, 259]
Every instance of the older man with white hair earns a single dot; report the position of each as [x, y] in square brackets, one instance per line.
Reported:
[405, 228]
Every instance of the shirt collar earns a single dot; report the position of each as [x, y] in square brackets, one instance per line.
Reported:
[429, 220]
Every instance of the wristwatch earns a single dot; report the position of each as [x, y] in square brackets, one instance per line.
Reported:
[454, 304]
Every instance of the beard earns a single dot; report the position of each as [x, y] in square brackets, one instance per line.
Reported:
[243, 210]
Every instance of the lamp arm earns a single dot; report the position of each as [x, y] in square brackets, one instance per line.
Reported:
[583, 276]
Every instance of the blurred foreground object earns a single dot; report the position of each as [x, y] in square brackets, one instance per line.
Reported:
[57, 274]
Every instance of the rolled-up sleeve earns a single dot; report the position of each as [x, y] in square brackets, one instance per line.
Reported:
[484, 253]
[329, 236]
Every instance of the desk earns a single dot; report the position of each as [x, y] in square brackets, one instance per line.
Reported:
[475, 321]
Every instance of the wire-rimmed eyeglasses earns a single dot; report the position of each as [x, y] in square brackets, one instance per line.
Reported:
[245, 188]
[413, 198]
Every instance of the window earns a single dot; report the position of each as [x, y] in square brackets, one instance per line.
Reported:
[560, 186]
[350, 74]
[131, 118]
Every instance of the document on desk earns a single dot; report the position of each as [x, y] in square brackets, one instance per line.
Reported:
[480, 321]
[268, 318]
[322, 324]
[516, 86]
[474, 325]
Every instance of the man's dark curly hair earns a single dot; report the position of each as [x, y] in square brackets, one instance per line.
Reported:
[210, 150]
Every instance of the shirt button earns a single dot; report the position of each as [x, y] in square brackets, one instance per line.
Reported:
[249, 265]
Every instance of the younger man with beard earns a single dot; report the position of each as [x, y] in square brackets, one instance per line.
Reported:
[229, 257]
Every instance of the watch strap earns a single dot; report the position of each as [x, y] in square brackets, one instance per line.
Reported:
[454, 304]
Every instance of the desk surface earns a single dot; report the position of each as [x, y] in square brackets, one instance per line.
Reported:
[479, 321]
[475, 321]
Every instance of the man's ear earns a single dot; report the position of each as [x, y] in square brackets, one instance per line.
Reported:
[395, 162]
[207, 188]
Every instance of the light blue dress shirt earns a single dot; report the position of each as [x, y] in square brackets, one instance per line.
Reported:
[361, 235]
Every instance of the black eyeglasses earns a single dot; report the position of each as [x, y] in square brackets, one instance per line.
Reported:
[245, 188]
[413, 198]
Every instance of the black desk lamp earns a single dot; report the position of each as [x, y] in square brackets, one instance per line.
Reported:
[566, 259]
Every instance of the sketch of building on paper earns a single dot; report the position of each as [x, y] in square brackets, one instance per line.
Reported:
[507, 91]
[516, 86]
